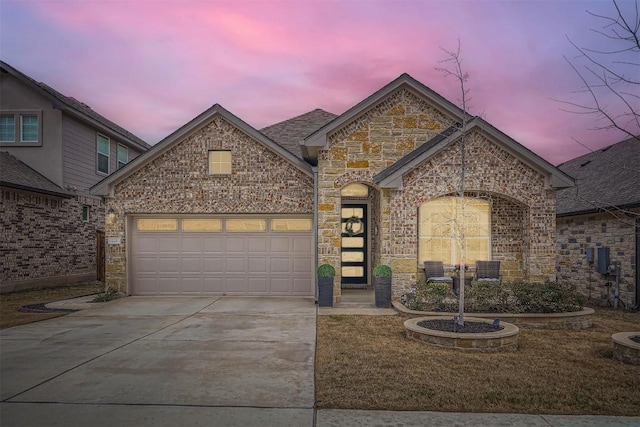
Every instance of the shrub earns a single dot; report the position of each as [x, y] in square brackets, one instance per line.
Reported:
[382, 271]
[108, 295]
[493, 297]
[326, 270]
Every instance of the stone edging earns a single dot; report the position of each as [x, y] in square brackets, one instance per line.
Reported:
[624, 349]
[505, 339]
[568, 320]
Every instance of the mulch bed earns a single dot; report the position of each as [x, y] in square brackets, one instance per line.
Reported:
[452, 326]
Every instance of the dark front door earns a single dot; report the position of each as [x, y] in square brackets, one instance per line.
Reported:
[354, 266]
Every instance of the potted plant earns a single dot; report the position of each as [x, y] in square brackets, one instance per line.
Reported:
[326, 273]
[382, 285]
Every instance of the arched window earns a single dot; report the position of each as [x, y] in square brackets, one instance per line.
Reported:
[442, 224]
[355, 190]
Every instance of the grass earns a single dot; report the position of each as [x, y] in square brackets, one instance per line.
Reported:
[365, 362]
[10, 314]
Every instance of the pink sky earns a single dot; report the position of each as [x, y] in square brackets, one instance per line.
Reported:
[153, 65]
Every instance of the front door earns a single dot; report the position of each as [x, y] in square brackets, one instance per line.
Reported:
[354, 266]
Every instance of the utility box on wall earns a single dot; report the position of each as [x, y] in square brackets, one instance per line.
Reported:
[590, 255]
[603, 260]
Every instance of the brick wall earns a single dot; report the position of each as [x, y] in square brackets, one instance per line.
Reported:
[576, 234]
[44, 237]
[523, 208]
[178, 182]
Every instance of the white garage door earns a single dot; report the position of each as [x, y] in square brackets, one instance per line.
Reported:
[222, 256]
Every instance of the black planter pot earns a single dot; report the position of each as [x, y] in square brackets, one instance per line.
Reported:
[325, 291]
[383, 291]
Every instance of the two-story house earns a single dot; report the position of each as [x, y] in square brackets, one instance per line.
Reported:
[53, 148]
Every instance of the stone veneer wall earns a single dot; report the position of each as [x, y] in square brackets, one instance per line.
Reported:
[178, 182]
[395, 127]
[577, 233]
[44, 238]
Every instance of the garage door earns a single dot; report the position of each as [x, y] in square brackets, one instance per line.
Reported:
[222, 256]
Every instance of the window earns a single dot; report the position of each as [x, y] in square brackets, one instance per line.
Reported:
[220, 162]
[355, 190]
[202, 225]
[23, 128]
[441, 222]
[104, 148]
[123, 155]
[7, 128]
[157, 224]
[85, 213]
[246, 225]
[291, 224]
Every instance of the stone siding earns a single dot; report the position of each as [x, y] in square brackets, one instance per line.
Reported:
[44, 237]
[523, 207]
[576, 234]
[178, 182]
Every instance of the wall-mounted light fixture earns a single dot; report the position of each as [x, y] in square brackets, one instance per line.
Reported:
[111, 215]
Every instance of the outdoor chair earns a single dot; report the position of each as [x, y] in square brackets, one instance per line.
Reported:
[434, 272]
[488, 271]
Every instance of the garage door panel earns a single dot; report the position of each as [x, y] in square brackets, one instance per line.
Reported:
[303, 245]
[236, 244]
[221, 263]
[258, 244]
[214, 244]
[258, 265]
[168, 264]
[235, 265]
[301, 265]
[280, 265]
[192, 244]
[213, 265]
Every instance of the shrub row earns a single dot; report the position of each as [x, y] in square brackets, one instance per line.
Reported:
[492, 297]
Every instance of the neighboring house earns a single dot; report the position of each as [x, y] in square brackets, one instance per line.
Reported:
[52, 150]
[602, 211]
[221, 208]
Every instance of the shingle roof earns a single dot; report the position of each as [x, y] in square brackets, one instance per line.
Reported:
[15, 174]
[75, 105]
[290, 132]
[609, 177]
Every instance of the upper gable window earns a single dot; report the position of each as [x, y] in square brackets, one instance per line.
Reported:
[21, 128]
[220, 162]
[104, 149]
[123, 155]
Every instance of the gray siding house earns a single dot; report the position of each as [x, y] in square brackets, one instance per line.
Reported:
[53, 149]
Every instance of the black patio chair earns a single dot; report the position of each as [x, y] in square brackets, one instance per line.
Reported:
[434, 272]
[488, 271]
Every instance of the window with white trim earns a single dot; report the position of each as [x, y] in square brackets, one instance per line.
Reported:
[85, 213]
[442, 223]
[123, 155]
[104, 152]
[21, 128]
[220, 162]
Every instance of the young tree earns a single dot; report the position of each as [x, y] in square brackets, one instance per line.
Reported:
[454, 69]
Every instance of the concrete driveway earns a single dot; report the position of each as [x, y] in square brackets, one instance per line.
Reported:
[163, 361]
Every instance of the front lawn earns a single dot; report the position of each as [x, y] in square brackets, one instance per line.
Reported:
[10, 314]
[365, 362]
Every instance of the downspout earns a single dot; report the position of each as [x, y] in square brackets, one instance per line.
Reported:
[315, 228]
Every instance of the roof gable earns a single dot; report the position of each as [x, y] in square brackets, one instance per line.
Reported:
[103, 187]
[76, 108]
[319, 139]
[392, 176]
[290, 133]
[605, 178]
[15, 174]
